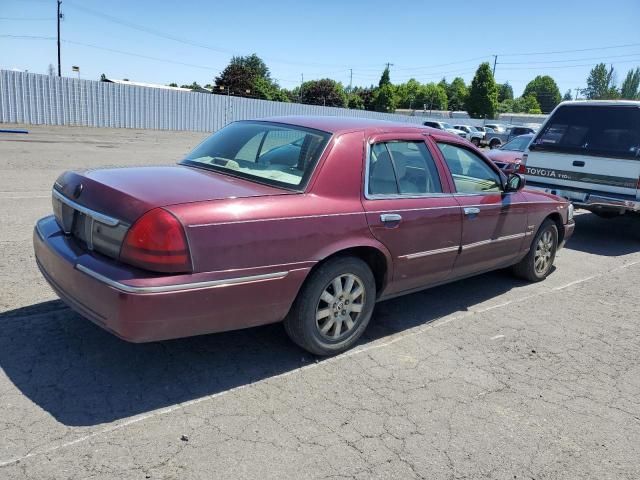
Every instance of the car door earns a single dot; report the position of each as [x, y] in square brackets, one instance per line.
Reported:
[494, 224]
[410, 209]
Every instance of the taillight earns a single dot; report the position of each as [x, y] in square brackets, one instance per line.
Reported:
[157, 242]
[522, 168]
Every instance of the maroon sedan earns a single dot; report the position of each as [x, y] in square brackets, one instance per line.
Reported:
[307, 220]
[508, 157]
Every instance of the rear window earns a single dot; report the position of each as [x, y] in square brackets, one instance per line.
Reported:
[275, 154]
[592, 130]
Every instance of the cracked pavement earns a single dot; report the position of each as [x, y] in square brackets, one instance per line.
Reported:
[488, 377]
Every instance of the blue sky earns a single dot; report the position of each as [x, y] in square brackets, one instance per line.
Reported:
[424, 40]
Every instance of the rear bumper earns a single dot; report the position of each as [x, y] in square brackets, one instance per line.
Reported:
[591, 200]
[609, 203]
[138, 307]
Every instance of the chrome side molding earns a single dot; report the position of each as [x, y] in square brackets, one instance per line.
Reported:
[181, 286]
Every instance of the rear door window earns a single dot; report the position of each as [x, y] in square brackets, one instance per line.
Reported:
[402, 168]
[593, 130]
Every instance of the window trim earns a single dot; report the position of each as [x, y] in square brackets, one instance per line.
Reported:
[490, 164]
[391, 196]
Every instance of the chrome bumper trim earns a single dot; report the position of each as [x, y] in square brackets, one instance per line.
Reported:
[608, 202]
[181, 286]
[100, 217]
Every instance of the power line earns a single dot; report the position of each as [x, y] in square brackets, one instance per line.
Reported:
[568, 51]
[27, 19]
[572, 60]
[72, 42]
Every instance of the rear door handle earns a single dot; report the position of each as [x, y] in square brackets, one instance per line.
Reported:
[390, 218]
[578, 163]
[471, 211]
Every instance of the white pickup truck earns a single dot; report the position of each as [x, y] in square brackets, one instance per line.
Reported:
[589, 153]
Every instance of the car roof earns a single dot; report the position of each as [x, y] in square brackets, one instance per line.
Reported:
[344, 124]
[573, 103]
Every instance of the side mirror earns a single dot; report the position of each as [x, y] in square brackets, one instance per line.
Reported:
[515, 182]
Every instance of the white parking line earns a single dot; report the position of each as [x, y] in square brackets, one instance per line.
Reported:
[375, 346]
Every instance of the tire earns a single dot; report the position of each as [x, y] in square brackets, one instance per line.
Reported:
[494, 144]
[476, 142]
[319, 320]
[544, 245]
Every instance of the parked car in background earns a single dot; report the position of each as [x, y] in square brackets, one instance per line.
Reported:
[496, 139]
[497, 127]
[446, 127]
[508, 157]
[226, 239]
[473, 135]
[589, 152]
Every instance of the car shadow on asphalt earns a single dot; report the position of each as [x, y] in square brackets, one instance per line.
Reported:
[83, 376]
[610, 237]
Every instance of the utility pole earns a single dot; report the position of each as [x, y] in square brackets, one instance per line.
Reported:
[495, 61]
[350, 78]
[300, 92]
[59, 16]
[577, 93]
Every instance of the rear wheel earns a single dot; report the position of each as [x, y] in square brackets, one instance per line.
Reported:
[537, 265]
[333, 308]
[476, 141]
[495, 143]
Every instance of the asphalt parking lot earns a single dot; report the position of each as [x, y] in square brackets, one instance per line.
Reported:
[489, 377]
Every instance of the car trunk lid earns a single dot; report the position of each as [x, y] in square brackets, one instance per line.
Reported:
[97, 207]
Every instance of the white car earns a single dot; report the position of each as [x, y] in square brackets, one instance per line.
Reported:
[446, 127]
[589, 153]
[473, 134]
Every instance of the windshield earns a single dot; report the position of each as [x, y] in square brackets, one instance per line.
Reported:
[518, 144]
[276, 154]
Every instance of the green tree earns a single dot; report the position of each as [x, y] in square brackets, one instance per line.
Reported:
[432, 97]
[505, 92]
[355, 101]
[368, 96]
[457, 93]
[630, 88]
[325, 92]
[567, 96]
[103, 77]
[483, 94]
[247, 76]
[385, 98]
[531, 104]
[600, 84]
[193, 86]
[407, 94]
[385, 78]
[546, 91]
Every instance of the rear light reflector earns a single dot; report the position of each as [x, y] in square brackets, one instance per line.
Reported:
[157, 242]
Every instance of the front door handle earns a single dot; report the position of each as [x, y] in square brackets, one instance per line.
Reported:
[390, 218]
[471, 211]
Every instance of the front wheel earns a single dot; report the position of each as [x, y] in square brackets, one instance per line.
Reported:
[494, 144]
[333, 308]
[537, 265]
[476, 142]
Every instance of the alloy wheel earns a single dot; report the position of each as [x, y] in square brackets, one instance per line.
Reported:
[339, 308]
[544, 253]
